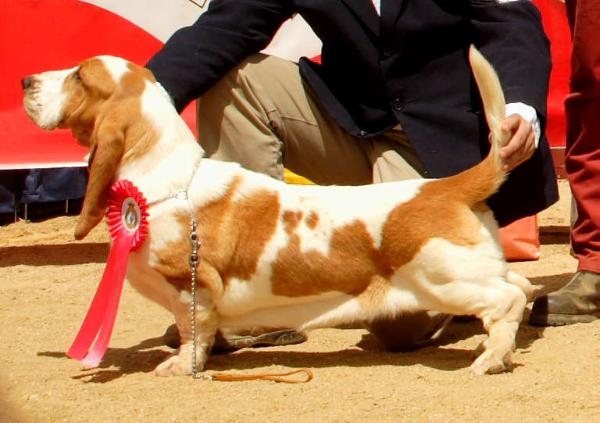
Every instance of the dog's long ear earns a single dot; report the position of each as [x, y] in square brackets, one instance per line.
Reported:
[108, 143]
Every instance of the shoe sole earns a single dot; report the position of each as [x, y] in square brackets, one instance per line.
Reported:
[270, 339]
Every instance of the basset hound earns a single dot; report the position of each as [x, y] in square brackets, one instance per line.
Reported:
[275, 255]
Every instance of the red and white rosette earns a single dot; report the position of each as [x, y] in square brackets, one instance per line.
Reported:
[128, 225]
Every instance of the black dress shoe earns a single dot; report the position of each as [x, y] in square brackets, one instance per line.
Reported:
[230, 343]
[576, 302]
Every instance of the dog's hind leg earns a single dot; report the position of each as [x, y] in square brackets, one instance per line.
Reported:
[206, 324]
[498, 304]
[501, 318]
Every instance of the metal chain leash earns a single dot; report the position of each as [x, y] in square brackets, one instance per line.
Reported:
[194, 260]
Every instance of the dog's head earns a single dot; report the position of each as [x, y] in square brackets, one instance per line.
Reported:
[100, 101]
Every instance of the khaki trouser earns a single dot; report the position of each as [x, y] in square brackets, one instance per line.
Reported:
[262, 116]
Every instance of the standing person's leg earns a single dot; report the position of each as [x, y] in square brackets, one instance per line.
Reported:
[579, 300]
[262, 116]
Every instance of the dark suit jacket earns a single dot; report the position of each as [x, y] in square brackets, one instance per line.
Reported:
[408, 66]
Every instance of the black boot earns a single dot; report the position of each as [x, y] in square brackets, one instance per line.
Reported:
[576, 302]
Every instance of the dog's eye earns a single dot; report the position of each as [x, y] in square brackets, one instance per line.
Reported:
[76, 76]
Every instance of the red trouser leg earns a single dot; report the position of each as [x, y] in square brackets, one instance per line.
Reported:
[583, 131]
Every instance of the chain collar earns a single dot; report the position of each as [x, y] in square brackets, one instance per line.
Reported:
[181, 195]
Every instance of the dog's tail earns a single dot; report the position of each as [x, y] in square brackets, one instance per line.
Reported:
[481, 181]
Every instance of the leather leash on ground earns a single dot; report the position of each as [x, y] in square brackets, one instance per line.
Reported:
[224, 377]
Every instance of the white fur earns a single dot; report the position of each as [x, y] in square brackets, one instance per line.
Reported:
[116, 67]
[46, 98]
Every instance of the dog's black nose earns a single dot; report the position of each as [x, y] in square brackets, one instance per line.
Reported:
[26, 82]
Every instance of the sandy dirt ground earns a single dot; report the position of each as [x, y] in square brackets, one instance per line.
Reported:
[47, 281]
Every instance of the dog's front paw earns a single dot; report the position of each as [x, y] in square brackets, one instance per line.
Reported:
[174, 366]
[488, 363]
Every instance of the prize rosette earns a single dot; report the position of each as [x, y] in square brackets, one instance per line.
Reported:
[128, 225]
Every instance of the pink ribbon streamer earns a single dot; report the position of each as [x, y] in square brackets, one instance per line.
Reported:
[128, 226]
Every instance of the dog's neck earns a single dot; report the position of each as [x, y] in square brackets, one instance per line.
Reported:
[169, 165]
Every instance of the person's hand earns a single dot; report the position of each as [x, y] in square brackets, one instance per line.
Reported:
[521, 145]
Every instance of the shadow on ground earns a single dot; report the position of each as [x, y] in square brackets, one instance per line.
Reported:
[145, 356]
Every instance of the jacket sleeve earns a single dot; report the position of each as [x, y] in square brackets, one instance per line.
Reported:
[510, 34]
[195, 57]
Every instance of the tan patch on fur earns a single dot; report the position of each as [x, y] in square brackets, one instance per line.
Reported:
[312, 220]
[352, 263]
[291, 220]
[233, 236]
[252, 223]
[143, 72]
[476, 184]
[372, 297]
[181, 278]
[141, 135]
[436, 212]
[87, 89]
